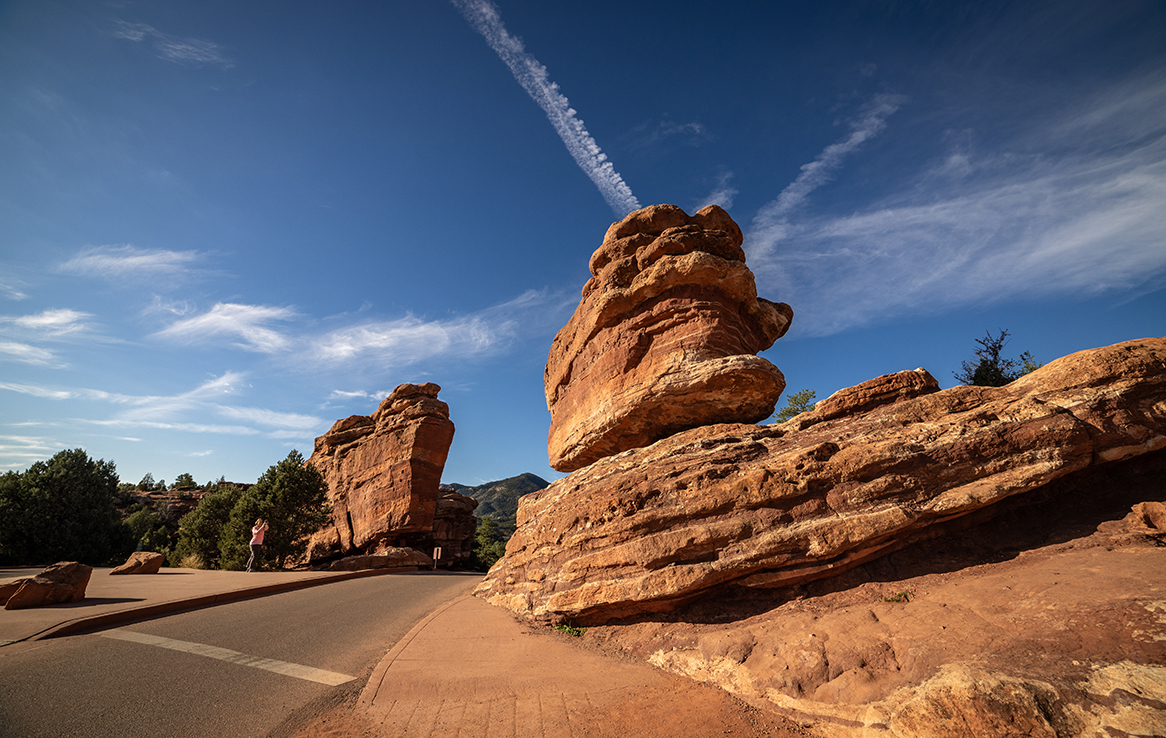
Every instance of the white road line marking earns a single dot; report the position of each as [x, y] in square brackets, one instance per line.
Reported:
[299, 671]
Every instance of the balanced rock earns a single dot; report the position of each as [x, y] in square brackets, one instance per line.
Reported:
[383, 470]
[870, 470]
[664, 338]
[62, 582]
[141, 562]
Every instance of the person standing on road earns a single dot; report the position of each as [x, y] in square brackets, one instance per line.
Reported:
[256, 542]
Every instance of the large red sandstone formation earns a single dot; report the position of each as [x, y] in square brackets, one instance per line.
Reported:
[871, 469]
[664, 339]
[383, 472]
[1048, 619]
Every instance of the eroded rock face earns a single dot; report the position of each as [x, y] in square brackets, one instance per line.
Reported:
[1048, 618]
[872, 469]
[141, 562]
[383, 471]
[64, 581]
[454, 526]
[664, 339]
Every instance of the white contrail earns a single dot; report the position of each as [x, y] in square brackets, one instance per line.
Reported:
[772, 222]
[483, 16]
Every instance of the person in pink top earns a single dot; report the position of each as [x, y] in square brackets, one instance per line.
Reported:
[256, 541]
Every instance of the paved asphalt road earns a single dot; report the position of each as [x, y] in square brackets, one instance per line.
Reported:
[159, 679]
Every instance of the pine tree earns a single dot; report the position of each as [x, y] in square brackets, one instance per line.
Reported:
[990, 369]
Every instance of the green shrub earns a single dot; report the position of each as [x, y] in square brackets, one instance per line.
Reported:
[293, 498]
[796, 403]
[199, 530]
[151, 531]
[990, 369]
[62, 510]
[489, 544]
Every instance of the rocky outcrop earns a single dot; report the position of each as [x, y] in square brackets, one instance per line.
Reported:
[454, 526]
[62, 582]
[383, 471]
[872, 469]
[1047, 619]
[664, 338]
[141, 562]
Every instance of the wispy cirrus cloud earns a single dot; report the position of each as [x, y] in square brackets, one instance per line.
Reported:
[647, 135]
[126, 261]
[18, 451]
[57, 322]
[193, 51]
[9, 290]
[772, 222]
[28, 354]
[723, 194]
[37, 391]
[248, 326]
[1072, 205]
[25, 331]
[271, 418]
[483, 16]
[411, 340]
[197, 410]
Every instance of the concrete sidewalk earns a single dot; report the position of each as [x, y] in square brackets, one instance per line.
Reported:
[114, 600]
[472, 669]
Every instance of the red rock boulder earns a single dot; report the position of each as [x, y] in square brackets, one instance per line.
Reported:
[664, 339]
[141, 562]
[62, 582]
[383, 470]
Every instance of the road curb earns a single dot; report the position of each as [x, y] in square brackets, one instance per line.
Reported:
[148, 612]
[372, 687]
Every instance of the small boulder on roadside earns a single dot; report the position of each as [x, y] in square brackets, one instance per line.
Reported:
[7, 589]
[62, 582]
[141, 562]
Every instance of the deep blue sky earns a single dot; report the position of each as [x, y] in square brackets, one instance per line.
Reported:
[225, 225]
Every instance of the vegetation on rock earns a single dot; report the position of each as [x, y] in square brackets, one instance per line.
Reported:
[990, 369]
[795, 404]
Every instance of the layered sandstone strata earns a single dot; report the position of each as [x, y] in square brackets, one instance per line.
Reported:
[383, 471]
[664, 338]
[1047, 619]
[871, 469]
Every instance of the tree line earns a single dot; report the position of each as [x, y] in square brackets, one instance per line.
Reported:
[69, 508]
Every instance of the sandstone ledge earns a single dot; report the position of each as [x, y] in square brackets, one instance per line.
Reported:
[776, 506]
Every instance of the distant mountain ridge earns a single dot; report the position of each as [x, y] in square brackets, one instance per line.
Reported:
[499, 499]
